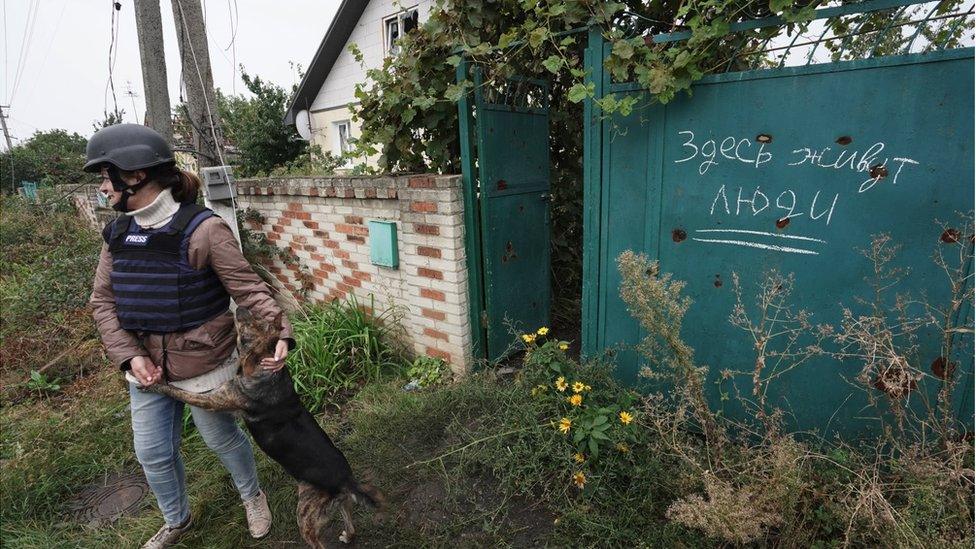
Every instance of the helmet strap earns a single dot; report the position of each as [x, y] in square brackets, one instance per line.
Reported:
[120, 186]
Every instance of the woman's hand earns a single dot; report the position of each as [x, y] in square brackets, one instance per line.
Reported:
[273, 364]
[145, 371]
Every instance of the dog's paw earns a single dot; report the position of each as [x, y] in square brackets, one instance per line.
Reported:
[345, 538]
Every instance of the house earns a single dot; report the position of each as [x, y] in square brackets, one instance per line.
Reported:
[327, 92]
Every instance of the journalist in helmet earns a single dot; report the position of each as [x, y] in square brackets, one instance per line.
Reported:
[167, 272]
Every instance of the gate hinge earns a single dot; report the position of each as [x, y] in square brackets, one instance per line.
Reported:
[484, 319]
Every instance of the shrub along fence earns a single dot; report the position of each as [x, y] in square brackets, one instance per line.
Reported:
[387, 241]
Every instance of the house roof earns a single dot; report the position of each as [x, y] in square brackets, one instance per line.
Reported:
[335, 39]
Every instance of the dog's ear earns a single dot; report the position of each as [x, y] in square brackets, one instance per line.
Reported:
[244, 315]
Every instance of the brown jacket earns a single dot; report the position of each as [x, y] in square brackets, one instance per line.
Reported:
[201, 349]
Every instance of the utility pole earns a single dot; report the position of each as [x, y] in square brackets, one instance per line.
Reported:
[10, 148]
[149, 26]
[198, 79]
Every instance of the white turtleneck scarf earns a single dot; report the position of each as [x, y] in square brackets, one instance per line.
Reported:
[158, 212]
[155, 215]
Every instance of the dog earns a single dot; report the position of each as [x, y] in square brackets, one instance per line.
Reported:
[286, 431]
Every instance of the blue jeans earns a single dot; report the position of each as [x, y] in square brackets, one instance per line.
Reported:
[157, 423]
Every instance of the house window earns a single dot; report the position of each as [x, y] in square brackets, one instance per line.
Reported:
[398, 25]
[342, 139]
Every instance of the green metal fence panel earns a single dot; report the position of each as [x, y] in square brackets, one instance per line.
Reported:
[472, 218]
[793, 169]
[513, 173]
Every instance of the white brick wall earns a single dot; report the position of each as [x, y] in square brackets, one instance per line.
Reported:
[323, 221]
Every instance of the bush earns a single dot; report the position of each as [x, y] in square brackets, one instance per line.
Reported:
[340, 346]
[47, 264]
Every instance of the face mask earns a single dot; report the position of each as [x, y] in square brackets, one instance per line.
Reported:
[120, 186]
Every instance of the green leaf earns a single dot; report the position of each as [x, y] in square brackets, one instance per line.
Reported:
[553, 63]
[454, 60]
[408, 115]
[537, 36]
[599, 435]
[454, 92]
[578, 436]
[623, 49]
[577, 93]
[505, 39]
[594, 447]
[776, 6]
[600, 420]
[557, 9]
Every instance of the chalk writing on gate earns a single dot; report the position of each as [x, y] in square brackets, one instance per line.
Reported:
[752, 200]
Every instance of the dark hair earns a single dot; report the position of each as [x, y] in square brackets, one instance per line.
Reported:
[184, 185]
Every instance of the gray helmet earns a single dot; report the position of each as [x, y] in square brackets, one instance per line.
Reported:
[128, 147]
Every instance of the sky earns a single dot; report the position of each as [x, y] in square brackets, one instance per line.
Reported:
[64, 63]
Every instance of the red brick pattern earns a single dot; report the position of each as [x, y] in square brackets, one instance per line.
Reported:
[324, 222]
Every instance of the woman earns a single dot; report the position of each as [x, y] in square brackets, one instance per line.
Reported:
[162, 290]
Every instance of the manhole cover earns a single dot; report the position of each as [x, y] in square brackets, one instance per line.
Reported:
[108, 500]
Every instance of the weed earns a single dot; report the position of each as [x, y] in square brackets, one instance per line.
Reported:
[339, 347]
[40, 384]
[428, 371]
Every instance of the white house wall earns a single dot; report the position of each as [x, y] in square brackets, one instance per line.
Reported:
[339, 86]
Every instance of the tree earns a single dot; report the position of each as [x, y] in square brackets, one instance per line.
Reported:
[253, 125]
[49, 157]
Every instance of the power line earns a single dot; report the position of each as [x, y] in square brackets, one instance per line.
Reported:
[6, 61]
[206, 102]
[25, 46]
[50, 43]
[112, 54]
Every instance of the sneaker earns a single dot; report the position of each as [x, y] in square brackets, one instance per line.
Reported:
[167, 535]
[258, 515]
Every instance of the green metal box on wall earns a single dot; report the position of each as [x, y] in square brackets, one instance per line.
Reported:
[383, 244]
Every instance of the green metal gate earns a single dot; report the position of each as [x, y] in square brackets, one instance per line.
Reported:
[793, 169]
[506, 182]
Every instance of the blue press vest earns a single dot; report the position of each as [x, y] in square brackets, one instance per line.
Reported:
[156, 289]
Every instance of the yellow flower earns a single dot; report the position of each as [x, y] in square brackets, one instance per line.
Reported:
[538, 390]
[542, 331]
[588, 388]
[561, 384]
[622, 447]
[626, 418]
[528, 338]
[563, 346]
[578, 457]
[575, 400]
[564, 425]
[578, 387]
[579, 479]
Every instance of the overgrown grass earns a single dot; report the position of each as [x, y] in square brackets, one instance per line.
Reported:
[340, 346]
[47, 263]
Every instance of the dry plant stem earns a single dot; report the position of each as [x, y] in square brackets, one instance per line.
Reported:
[656, 301]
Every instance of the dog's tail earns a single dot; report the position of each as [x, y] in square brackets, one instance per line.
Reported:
[366, 493]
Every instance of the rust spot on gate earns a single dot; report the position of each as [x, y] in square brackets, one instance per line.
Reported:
[678, 235]
[782, 222]
[501, 185]
[764, 138]
[943, 368]
[509, 252]
[878, 171]
[718, 281]
[844, 140]
[950, 236]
